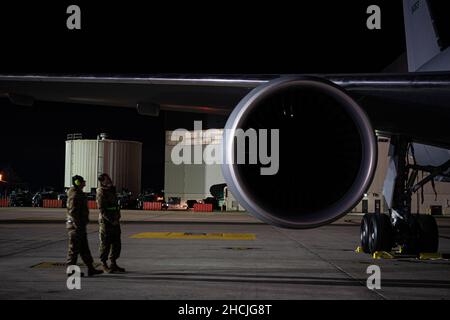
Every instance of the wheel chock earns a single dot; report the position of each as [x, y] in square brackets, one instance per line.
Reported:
[401, 250]
[430, 256]
[382, 255]
[359, 249]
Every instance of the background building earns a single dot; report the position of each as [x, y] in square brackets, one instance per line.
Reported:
[436, 203]
[122, 160]
[191, 181]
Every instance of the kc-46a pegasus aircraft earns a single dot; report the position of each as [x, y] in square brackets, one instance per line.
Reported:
[335, 117]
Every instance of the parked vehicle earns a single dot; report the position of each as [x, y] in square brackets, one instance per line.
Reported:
[39, 197]
[19, 198]
[125, 200]
[150, 197]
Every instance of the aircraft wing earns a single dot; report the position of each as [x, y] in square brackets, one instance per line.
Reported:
[411, 104]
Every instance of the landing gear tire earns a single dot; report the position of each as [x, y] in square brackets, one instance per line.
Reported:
[428, 234]
[365, 233]
[380, 233]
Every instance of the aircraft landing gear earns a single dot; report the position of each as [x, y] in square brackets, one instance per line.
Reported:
[378, 234]
[426, 235]
[413, 233]
[365, 233]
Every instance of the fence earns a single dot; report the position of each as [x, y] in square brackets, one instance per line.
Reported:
[50, 203]
[155, 206]
[4, 202]
[203, 207]
[92, 204]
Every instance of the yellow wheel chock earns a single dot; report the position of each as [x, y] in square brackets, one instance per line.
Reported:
[430, 256]
[359, 250]
[382, 255]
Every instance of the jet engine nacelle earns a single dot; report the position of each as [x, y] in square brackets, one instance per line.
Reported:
[327, 152]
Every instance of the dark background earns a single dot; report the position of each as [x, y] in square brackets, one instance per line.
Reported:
[169, 37]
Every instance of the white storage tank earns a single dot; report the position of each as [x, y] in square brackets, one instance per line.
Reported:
[122, 160]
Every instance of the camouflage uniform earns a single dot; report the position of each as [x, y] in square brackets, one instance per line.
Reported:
[77, 220]
[110, 243]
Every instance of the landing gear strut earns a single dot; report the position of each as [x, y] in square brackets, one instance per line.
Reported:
[414, 233]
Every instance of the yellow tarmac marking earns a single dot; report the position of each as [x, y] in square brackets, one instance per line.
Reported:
[191, 235]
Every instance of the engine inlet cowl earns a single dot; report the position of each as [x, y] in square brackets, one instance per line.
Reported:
[327, 152]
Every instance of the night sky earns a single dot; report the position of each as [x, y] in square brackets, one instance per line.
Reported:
[219, 38]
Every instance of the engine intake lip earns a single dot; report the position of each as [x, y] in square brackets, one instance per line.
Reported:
[352, 196]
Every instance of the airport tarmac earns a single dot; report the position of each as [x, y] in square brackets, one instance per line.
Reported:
[181, 255]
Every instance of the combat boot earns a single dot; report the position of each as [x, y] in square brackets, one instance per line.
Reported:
[115, 268]
[106, 268]
[92, 271]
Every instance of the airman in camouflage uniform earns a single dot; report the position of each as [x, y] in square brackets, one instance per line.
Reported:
[77, 220]
[109, 223]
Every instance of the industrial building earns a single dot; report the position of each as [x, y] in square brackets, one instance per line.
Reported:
[192, 181]
[122, 160]
[373, 201]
